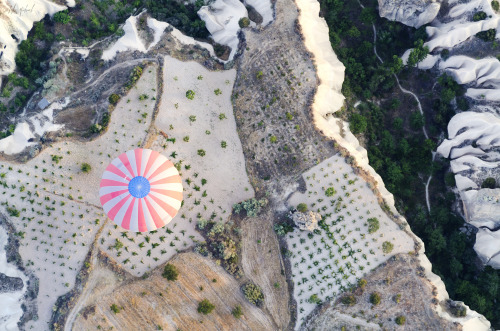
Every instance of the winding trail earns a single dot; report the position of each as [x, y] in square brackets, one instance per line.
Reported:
[424, 130]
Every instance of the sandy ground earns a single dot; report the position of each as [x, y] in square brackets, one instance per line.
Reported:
[59, 208]
[327, 264]
[404, 292]
[157, 304]
[212, 183]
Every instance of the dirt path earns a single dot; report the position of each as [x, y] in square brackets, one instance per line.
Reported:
[261, 260]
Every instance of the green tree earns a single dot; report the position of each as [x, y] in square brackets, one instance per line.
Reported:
[489, 182]
[357, 123]
[418, 54]
[302, 207]
[400, 320]
[237, 311]
[62, 17]
[253, 293]
[387, 247]
[205, 307]
[244, 22]
[373, 225]
[170, 272]
[375, 298]
[190, 94]
[86, 167]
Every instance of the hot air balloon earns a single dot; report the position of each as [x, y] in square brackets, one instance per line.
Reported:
[141, 190]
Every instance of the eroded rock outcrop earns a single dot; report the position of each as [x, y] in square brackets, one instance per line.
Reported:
[307, 221]
[410, 12]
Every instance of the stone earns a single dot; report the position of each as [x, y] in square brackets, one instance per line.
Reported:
[307, 221]
[413, 13]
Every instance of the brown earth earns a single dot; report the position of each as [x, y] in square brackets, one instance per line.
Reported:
[261, 260]
[154, 303]
[403, 291]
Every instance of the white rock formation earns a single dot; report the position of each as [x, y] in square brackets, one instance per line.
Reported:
[410, 12]
[132, 41]
[16, 19]
[264, 8]
[221, 19]
[486, 247]
[307, 221]
[459, 24]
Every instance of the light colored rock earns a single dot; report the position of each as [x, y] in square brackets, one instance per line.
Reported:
[483, 208]
[307, 221]
[487, 248]
[410, 12]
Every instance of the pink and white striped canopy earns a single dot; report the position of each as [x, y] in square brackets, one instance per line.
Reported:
[141, 190]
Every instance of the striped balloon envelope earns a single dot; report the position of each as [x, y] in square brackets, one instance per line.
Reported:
[141, 190]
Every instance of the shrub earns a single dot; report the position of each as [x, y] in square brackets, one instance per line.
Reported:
[244, 22]
[201, 152]
[217, 91]
[348, 300]
[314, 299]
[205, 307]
[373, 225]
[114, 98]
[13, 211]
[273, 139]
[387, 247]
[192, 118]
[170, 272]
[330, 192]
[375, 298]
[259, 74]
[190, 94]
[302, 207]
[400, 320]
[489, 182]
[253, 293]
[237, 311]
[86, 167]
[115, 309]
[223, 144]
[362, 283]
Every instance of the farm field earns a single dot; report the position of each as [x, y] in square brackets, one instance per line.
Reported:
[354, 236]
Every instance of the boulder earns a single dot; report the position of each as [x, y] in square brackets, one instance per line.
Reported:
[307, 221]
[413, 13]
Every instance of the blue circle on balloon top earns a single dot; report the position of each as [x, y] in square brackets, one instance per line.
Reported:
[139, 187]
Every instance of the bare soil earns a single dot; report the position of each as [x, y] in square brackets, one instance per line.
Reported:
[262, 263]
[404, 292]
[153, 303]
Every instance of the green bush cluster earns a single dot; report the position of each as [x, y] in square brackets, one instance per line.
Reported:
[253, 293]
[251, 206]
[488, 35]
[170, 272]
[373, 224]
